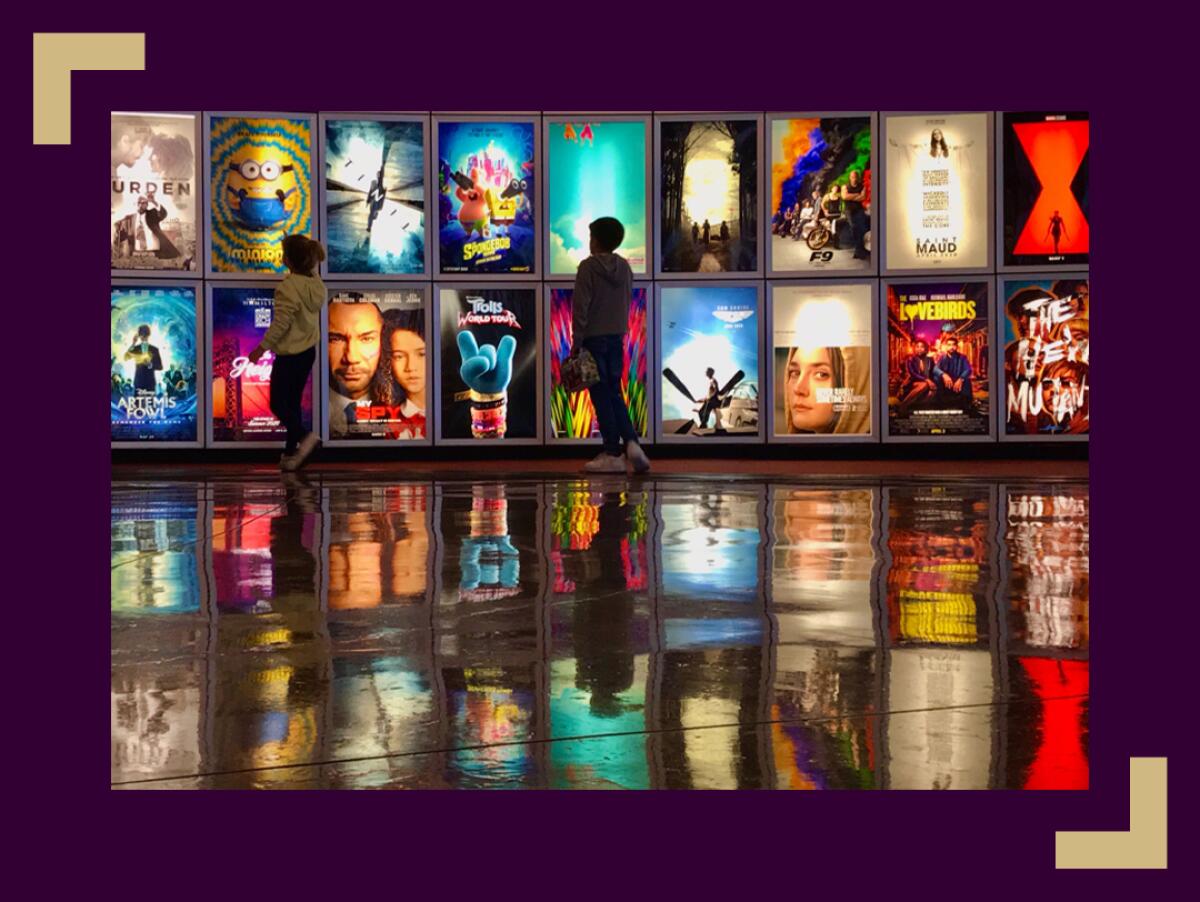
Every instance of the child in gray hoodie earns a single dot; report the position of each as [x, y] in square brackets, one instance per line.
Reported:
[600, 321]
[292, 338]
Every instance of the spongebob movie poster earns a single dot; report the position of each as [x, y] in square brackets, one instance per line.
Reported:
[375, 196]
[938, 367]
[486, 197]
[821, 194]
[572, 414]
[153, 364]
[260, 190]
[154, 194]
[937, 191]
[821, 353]
[489, 363]
[595, 169]
[1047, 355]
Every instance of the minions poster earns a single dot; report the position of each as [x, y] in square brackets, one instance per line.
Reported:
[486, 199]
[260, 189]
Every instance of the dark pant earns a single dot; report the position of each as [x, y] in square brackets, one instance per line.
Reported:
[289, 373]
[611, 412]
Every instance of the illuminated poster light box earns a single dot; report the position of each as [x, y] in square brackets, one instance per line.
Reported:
[155, 382]
[822, 186]
[376, 365]
[939, 360]
[374, 209]
[708, 357]
[822, 362]
[1044, 207]
[488, 366]
[239, 315]
[155, 194]
[937, 192]
[596, 166]
[259, 185]
[1047, 390]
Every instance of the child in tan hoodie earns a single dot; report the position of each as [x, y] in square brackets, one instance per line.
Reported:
[292, 338]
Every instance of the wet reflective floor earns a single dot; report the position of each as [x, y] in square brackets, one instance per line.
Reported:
[342, 630]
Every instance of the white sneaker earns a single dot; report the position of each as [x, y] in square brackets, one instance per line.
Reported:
[605, 463]
[637, 457]
[308, 444]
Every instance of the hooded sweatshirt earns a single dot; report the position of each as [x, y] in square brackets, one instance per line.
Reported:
[600, 304]
[296, 318]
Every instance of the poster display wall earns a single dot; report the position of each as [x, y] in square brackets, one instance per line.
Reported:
[377, 371]
[938, 359]
[708, 337]
[155, 192]
[486, 197]
[1046, 357]
[595, 168]
[241, 390]
[259, 190]
[488, 363]
[572, 415]
[821, 360]
[374, 203]
[821, 178]
[154, 372]
[708, 195]
[1045, 189]
[937, 204]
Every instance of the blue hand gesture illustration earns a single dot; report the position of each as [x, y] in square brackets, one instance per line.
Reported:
[486, 369]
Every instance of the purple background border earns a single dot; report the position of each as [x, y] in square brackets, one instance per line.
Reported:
[908, 58]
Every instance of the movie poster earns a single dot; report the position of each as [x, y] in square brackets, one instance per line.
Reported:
[595, 169]
[153, 364]
[709, 354]
[377, 371]
[821, 194]
[1046, 357]
[241, 390]
[486, 197]
[1045, 190]
[154, 191]
[378, 545]
[937, 191]
[260, 190]
[821, 336]
[709, 196]
[938, 367]
[375, 196]
[489, 363]
[572, 415]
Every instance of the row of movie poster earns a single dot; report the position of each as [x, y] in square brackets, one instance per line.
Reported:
[918, 364]
[385, 175]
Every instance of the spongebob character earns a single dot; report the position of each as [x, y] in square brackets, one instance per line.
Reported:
[504, 204]
[262, 192]
[474, 214]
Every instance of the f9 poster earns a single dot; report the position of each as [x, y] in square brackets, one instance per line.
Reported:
[489, 371]
[154, 192]
[937, 191]
[374, 196]
[595, 168]
[822, 353]
[572, 416]
[709, 340]
[486, 197]
[821, 195]
[938, 364]
[375, 343]
[260, 189]
[241, 390]
[708, 195]
[153, 364]
[1046, 357]
[1045, 190]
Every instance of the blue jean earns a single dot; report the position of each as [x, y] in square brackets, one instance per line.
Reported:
[611, 412]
